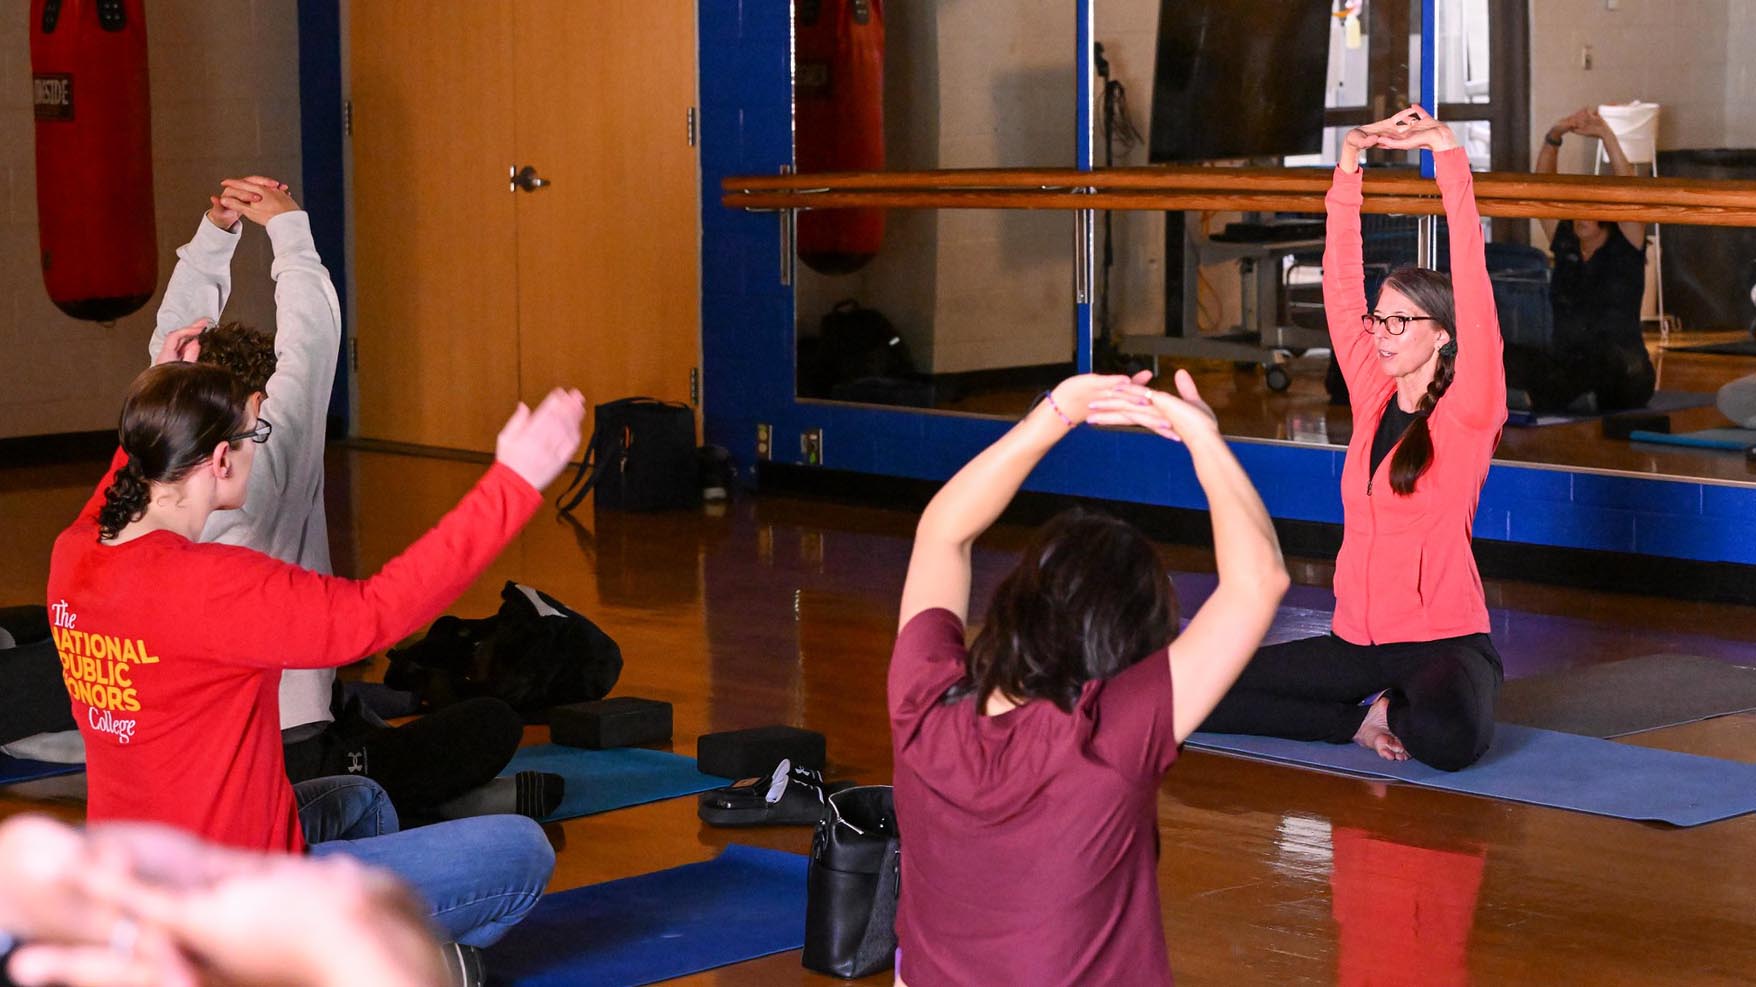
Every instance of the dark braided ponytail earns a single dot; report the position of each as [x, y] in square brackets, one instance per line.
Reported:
[174, 417]
[1431, 292]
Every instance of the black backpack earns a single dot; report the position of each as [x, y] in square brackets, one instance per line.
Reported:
[534, 654]
[641, 457]
[855, 343]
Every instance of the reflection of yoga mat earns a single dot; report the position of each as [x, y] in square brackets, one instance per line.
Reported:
[14, 770]
[1730, 439]
[1740, 347]
[1662, 402]
[744, 904]
[1622, 697]
[598, 781]
[1541, 767]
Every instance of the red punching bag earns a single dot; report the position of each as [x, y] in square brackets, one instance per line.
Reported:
[94, 156]
[838, 117]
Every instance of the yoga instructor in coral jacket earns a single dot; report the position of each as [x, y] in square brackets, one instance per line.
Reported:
[1408, 669]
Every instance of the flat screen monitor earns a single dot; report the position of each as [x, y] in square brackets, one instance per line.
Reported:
[1239, 79]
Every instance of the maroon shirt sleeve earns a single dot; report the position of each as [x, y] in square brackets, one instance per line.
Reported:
[929, 658]
[1134, 731]
[257, 610]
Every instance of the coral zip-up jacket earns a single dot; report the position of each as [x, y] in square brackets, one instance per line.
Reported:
[172, 652]
[1406, 572]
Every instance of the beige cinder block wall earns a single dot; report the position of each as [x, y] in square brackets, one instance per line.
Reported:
[225, 102]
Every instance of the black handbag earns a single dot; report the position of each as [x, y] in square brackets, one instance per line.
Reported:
[852, 884]
[641, 457]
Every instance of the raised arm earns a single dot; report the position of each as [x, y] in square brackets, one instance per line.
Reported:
[294, 618]
[1477, 396]
[1207, 657]
[1549, 156]
[202, 280]
[939, 566]
[1596, 126]
[1344, 270]
[307, 342]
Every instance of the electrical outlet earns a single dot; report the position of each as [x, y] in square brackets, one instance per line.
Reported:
[811, 446]
[1585, 58]
[765, 442]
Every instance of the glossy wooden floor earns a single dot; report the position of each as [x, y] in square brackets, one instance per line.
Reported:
[1247, 408]
[781, 610]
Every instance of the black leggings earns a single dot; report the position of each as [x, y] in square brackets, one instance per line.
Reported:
[436, 758]
[33, 698]
[1441, 694]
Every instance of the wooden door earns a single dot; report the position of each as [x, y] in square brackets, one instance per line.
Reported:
[609, 252]
[435, 250]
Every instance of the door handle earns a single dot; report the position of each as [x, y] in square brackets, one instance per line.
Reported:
[524, 178]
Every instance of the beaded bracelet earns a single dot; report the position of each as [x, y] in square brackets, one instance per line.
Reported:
[1050, 396]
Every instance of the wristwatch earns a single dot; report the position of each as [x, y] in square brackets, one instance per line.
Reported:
[1550, 139]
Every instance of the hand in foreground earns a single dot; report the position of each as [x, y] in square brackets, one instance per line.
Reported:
[256, 198]
[168, 910]
[182, 345]
[1073, 396]
[1176, 417]
[537, 444]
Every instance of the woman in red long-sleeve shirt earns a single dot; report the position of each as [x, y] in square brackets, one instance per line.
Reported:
[172, 648]
[1429, 398]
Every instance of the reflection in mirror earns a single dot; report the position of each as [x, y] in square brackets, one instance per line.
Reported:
[1595, 315]
[963, 310]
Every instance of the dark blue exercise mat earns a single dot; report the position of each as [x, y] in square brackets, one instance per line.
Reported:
[1661, 401]
[598, 781]
[14, 770]
[745, 903]
[1541, 767]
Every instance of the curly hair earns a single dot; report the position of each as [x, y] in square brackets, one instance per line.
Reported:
[1090, 598]
[175, 415]
[244, 351]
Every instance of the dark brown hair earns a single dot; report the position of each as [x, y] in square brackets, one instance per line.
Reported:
[1431, 291]
[175, 415]
[244, 351]
[1090, 598]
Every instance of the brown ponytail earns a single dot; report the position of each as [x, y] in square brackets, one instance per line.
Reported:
[173, 418]
[125, 500]
[1431, 291]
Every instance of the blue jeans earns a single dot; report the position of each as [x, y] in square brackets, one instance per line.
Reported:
[480, 876]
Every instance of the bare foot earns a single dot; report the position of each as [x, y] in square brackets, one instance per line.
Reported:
[1374, 733]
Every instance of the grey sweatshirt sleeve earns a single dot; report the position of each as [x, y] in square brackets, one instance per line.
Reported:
[200, 284]
[287, 484]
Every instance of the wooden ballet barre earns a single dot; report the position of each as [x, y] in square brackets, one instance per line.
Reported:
[1656, 200]
[1195, 200]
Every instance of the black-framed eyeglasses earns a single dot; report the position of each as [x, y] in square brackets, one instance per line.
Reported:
[264, 428]
[1396, 324]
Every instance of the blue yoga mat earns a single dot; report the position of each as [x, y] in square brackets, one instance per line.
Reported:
[1542, 767]
[1729, 439]
[14, 770]
[746, 903]
[598, 781]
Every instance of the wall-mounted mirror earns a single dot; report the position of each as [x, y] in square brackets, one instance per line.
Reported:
[959, 310]
[1236, 297]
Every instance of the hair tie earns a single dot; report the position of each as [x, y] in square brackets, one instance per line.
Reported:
[1050, 397]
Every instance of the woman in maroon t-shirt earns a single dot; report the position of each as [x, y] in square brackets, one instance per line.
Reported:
[1027, 763]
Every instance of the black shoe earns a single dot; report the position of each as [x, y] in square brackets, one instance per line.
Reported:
[788, 796]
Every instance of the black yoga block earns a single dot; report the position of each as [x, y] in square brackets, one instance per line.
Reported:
[625, 721]
[1619, 426]
[747, 753]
